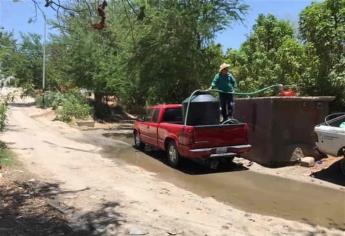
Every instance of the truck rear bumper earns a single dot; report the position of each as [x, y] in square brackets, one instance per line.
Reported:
[218, 152]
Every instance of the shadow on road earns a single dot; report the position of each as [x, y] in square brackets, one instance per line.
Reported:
[104, 221]
[14, 128]
[192, 168]
[332, 174]
[28, 104]
[24, 210]
[69, 148]
[31, 208]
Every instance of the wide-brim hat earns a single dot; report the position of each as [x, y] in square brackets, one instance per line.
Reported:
[223, 66]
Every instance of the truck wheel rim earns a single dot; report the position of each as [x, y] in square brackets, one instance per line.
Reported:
[172, 154]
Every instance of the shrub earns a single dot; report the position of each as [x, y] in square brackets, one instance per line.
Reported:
[68, 105]
[74, 106]
[50, 99]
[6, 156]
[3, 110]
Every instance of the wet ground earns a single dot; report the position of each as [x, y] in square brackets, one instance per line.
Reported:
[236, 185]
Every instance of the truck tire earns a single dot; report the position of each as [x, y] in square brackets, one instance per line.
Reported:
[173, 155]
[230, 160]
[138, 144]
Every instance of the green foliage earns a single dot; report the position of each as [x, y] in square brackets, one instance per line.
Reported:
[68, 105]
[50, 99]
[322, 26]
[7, 49]
[6, 156]
[28, 66]
[169, 51]
[270, 55]
[160, 58]
[24, 61]
[3, 110]
[73, 107]
[174, 53]
[58, 78]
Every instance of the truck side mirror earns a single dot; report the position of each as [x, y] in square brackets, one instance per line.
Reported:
[141, 118]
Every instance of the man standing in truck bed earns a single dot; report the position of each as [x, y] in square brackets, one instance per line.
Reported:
[226, 83]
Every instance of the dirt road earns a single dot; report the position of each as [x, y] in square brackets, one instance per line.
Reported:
[127, 199]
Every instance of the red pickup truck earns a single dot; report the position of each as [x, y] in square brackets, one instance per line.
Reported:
[162, 127]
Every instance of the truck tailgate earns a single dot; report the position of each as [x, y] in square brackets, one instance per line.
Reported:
[220, 135]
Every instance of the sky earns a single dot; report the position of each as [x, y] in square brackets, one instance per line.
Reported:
[14, 16]
[237, 33]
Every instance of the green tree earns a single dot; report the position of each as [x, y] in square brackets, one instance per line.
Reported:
[87, 58]
[270, 55]
[7, 50]
[57, 77]
[322, 26]
[26, 62]
[160, 57]
[174, 52]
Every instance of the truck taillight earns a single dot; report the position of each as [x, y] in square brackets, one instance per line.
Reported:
[187, 136]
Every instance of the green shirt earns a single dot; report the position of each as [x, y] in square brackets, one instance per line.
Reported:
[225, 83]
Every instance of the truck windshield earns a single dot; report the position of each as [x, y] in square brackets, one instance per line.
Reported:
[173, 115]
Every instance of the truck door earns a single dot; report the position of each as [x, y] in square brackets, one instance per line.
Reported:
[145, 125]
[152, 128]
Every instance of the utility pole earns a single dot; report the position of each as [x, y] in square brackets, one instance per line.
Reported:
[44, 56]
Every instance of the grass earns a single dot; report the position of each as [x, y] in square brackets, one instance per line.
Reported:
[6, 156]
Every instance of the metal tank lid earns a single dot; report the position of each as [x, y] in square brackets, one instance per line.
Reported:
[201, 97]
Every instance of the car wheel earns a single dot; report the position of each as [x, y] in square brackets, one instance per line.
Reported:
[137, 141]
[173, 155]
[318, 154]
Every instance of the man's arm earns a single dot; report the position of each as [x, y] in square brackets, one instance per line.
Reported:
[233, 81]
[215, 81]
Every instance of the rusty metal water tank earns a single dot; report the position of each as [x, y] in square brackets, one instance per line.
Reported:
[280, 126]
[203, 109]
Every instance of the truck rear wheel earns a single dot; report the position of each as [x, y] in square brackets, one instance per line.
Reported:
[137, 141]
[173, 155]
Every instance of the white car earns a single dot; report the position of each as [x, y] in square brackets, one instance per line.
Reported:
[331, 136]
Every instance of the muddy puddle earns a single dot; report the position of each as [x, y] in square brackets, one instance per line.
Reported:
[250, 191]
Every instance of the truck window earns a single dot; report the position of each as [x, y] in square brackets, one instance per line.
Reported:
[155, 115]
[173, 115]
[148, 115]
